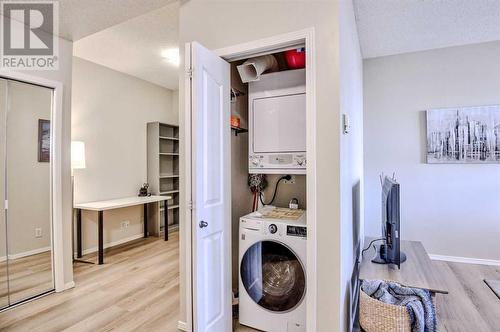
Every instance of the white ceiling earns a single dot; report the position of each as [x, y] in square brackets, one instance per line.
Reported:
[134, 46]
[388, 27]
[80, 18]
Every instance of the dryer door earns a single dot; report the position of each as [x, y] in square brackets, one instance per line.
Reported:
[273, 276]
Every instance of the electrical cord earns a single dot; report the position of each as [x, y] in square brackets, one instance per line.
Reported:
[284, 177]
[370, 245]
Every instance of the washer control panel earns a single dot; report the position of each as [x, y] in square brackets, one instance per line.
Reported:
[299, 231]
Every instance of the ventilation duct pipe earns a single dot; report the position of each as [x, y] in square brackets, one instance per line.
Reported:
[251, 69]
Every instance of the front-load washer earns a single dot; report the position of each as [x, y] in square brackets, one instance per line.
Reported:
[272, 270]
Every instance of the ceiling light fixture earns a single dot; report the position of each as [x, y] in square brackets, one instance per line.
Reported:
[171, 55]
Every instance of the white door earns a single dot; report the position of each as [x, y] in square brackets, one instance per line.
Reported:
[211, 191]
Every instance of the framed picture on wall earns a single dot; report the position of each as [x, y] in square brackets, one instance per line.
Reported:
[43, 141]
[463, 135]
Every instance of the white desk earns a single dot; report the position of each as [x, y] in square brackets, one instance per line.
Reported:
[101, 206]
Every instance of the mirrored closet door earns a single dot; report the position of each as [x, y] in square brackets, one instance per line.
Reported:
[26, 231]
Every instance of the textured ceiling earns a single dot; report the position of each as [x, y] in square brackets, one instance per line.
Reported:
[81, 18]
[388, 27]
[134, 47]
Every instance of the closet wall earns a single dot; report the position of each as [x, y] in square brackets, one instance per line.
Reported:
[286, 191]
[241, 196]
[268, 18]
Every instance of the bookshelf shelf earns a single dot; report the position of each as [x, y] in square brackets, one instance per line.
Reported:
[163, 169]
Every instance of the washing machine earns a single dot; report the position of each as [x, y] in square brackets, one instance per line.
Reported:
[272, 270]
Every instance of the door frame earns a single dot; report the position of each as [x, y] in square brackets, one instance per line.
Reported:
[56, 169]
[232, 53]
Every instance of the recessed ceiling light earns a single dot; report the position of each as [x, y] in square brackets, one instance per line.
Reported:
[171, 55]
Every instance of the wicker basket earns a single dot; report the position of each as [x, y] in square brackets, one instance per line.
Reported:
[376, 316]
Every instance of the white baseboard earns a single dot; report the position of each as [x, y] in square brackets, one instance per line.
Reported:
[182, 326]
[29, 253]
[466, 260]
[112, 244]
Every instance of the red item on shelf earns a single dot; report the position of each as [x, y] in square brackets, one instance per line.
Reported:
[296, 58]
[235, 121]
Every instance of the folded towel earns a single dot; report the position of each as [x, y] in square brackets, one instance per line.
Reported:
[417, 301]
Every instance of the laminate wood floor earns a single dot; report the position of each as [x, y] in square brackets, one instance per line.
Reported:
[470, 305]
[137, 289]
[28, 276]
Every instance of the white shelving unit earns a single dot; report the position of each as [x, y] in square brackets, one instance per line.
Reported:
[163, 169]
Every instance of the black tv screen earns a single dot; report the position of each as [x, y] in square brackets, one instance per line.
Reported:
[390, 251]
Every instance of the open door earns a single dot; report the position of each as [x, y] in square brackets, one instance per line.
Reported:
[211, 191]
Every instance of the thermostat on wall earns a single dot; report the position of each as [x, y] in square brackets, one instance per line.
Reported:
[346, 125]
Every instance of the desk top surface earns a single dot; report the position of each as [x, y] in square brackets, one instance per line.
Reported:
[417, 271]
[120, 203]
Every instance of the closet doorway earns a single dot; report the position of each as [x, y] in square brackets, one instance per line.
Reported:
[26, 158]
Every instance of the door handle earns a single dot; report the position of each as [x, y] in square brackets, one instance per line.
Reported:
[203, 224]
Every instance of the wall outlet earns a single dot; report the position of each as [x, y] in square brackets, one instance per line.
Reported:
[291, 181]
[124, 224]
[38, 232]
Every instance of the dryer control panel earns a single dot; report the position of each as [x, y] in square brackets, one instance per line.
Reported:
[297, 161]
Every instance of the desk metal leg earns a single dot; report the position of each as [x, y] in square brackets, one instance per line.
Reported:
[79, 253]
[101, 238]
[165, 215]
[145, 220]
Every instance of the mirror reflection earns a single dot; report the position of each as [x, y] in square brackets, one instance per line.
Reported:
[25, 223]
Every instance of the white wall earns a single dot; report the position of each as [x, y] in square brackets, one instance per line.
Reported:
[110, 112]
[351, 156]
[218, 24]
[453, 209]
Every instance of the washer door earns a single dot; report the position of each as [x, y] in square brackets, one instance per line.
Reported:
[273, 276]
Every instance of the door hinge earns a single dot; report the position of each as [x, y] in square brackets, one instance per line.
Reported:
[190, 205]
[6, 205]
[189, 72]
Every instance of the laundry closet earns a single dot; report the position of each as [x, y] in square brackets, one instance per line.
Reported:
[268, 190]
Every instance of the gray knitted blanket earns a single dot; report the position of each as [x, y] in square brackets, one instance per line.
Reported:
[417, 301]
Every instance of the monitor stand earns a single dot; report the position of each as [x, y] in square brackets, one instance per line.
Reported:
[380, 258]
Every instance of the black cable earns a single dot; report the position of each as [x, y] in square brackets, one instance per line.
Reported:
[369, 246]
[284, 177]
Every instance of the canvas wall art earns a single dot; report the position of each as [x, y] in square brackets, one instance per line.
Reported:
[463, 135]
[43, 141]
